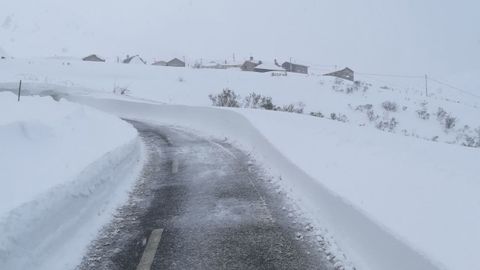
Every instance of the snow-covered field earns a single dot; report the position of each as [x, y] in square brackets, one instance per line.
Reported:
[395, 194]
[360, 103]
[64, 168]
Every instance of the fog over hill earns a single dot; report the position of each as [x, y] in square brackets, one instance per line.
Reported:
[370, 36]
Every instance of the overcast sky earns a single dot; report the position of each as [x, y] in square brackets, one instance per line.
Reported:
[403, 36]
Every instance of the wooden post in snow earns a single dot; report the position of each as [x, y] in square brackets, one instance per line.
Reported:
[19, 90]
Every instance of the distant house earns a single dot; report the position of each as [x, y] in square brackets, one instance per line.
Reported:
[159, 63]
[290, 67]
[93, 58]
[136, 59]
[264, 67]
[175, 62]
[218, 65]
[345, 73]
[249, 65]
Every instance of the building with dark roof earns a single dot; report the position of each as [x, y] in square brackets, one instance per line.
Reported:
[345, 73]
[93, 58]
[291, 67]
[175, 62]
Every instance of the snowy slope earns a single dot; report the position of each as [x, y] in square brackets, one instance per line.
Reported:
[382, 196]
[361, 103]
[59, 177]
[390, 179]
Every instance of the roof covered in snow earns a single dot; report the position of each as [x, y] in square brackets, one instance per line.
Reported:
[269, 66]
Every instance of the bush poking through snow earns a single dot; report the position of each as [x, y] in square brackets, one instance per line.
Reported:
[317, 114]
[423, 114]
[387, 125]
[228, 98]
[256, 101]
[339, 117]
[293, 108]
[372, 116]
[390, 106]
[363, 108]
[450, 122]
[447, 120]
[120, 90]
[441, 114]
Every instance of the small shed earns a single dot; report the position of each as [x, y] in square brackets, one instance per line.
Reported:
[93, 58]
[136, 59]
[291, 67]
[159, 63]
[345, 73]
[175, 62]
[249, 65]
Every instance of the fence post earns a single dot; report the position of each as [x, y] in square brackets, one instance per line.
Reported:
[19, 90]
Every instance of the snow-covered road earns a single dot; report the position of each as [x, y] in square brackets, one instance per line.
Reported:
[217, 208]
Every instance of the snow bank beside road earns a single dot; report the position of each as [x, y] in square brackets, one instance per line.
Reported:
[382, 196]
[63, 169]
[425, 194]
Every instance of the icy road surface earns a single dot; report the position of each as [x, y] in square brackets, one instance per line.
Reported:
[216, 208]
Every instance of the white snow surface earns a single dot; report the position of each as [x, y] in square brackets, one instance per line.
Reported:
[381, 195]
[393, 199]
[3, 53]
[64, 168]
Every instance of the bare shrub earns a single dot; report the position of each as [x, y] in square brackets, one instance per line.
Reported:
[447, 120]
[256, 101]
[339, 117]
[359, 85]
[390, 106]
[363, 108]
[228, 98]
[423, 114]
[317, 114]
[372, 116]
[441, 114]
[292, 108]
[121, 90]
[450, 122]
[389, 125]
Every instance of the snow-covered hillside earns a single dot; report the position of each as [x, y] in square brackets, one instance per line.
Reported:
[446, 115]
[381, 196]
[63, 168]
[378, 153]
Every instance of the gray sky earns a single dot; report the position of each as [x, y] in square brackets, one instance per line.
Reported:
[407, 36]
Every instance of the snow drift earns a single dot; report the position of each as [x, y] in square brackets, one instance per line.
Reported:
[364, 228]
[63, 169]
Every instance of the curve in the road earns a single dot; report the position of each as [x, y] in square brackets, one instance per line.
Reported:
[215, 206]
